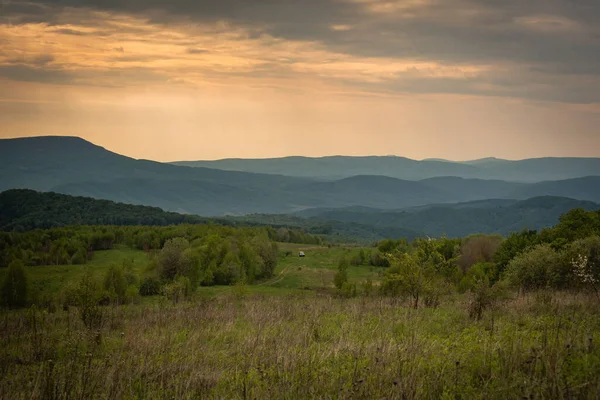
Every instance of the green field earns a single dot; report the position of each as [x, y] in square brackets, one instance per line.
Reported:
[295, 336]
[52, 278]
[293, 274]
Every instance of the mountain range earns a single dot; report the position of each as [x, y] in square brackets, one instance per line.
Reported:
[71, 165]
[338, 167]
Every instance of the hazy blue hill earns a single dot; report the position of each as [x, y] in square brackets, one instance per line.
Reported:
[487, 203]
[44, 162]
[502, 216]
[463, 189]
[529, 170]
[585, 188]
[337, 167]
[378, 191]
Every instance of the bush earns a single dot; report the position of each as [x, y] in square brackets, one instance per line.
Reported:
[180, 289]
[132, 295]
[590, 249]
[150, 286]
[14, 287]
[484, 296]
[476, 273]
[88, 299]
[410, 275]
[377, 259]
[539, 268]
[115, 283]
[341, 276]
[348, 289]
[174, 260]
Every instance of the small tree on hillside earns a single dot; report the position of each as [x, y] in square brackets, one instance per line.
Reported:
[539, 268]
[115, 283]
[341, 276]
[174, 259]
[408, 276]
[14, 287]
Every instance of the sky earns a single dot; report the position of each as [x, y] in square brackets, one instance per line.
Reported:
[203, 79]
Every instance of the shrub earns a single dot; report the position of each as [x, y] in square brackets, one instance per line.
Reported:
[475, 273]
[377, 259]
[367, 287]
[513, 245]
[14, 287]
[410, 275]
[132, 295]
[173, 259]
[87, 299]
[240, 290]
[484, 296]
[150, 286]
[178, 290]
[348, 289]
[538, 268]
[115, 283]
[589, 249]
[341, 276]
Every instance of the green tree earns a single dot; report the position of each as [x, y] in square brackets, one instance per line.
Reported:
[341, 275]
[115, 283]
[410, 275]
[513, 245]
[174, 260]
[14, 287]
[539, 268]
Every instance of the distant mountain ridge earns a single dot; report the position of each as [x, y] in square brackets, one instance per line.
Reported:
[457, 220]
[74, 166]
[338, 167]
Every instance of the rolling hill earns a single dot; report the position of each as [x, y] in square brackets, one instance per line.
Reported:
[74, 166]
[338, 167]
[455, 220]
[24, 209]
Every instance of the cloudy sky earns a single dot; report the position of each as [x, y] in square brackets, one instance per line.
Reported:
[208, 79]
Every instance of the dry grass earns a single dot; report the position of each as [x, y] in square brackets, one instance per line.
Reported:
[294, 347]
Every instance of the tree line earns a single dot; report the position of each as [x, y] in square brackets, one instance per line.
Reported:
[563, 257]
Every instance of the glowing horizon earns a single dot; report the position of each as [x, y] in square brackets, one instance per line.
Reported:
[460, 80]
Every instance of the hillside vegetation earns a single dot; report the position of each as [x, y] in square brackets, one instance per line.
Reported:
[22, 209]
[482, 316]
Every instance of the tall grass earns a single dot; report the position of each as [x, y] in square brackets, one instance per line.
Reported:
[293, 347]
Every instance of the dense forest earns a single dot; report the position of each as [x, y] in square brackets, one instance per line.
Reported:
[23, 209]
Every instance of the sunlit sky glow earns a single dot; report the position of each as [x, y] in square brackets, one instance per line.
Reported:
[457, 79]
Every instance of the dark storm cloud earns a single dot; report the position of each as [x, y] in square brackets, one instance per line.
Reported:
[26, 73]
[545, 41]
[196, 51]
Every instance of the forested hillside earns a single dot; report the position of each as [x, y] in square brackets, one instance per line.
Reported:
[455, 220]
[22, 209]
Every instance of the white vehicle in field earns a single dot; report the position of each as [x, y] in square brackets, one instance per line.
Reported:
[301, 254]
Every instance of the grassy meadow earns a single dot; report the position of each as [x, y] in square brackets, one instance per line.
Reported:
[293, 337]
